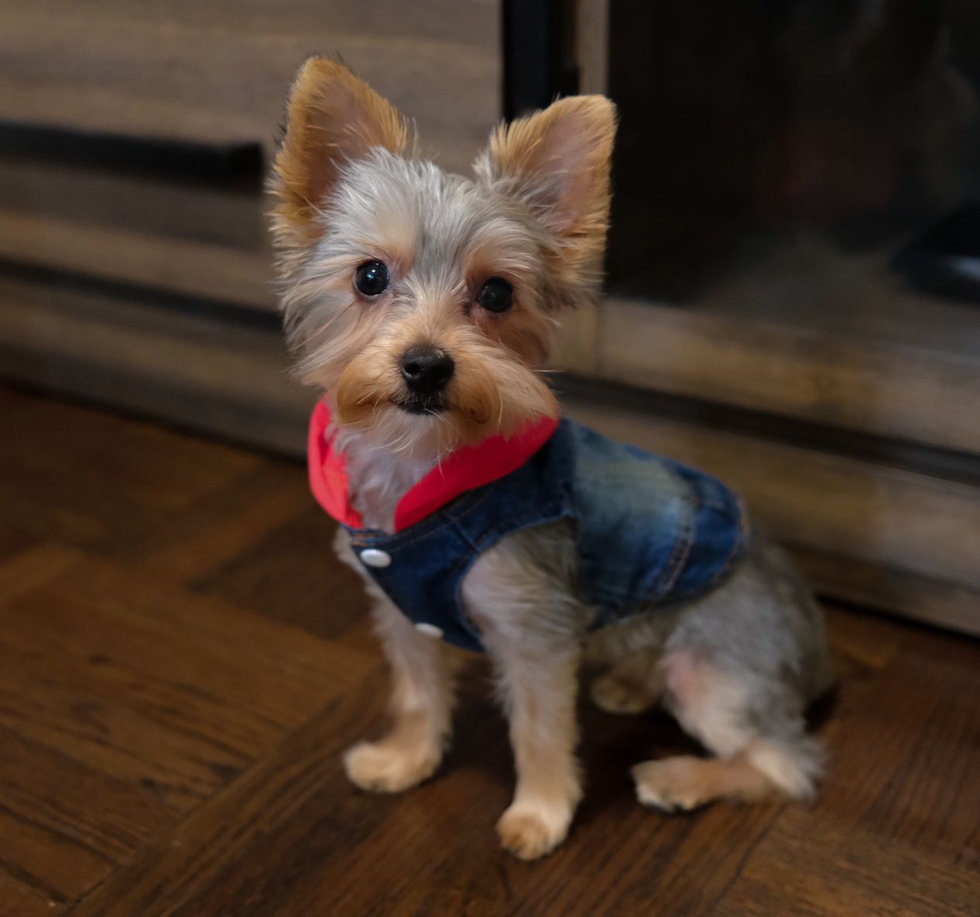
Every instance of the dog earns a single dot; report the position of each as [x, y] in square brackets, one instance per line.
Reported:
[424, 306]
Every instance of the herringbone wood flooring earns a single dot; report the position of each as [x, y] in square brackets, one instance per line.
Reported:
[182, 661]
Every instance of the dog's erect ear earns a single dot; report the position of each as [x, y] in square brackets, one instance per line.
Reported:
[557, 162]
[332, 118]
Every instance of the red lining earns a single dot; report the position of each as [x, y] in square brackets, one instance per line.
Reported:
[465, 469]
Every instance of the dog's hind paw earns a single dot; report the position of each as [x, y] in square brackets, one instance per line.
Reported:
[621, 696]
[382, 767]
[672, 784]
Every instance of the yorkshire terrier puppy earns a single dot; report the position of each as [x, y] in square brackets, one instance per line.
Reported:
[424, 305]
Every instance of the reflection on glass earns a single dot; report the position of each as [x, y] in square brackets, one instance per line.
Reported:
[806, 156]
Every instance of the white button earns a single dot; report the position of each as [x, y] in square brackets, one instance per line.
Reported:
[372, 557]
[429, 629]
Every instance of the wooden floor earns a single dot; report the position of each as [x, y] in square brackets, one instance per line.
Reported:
[182, 662]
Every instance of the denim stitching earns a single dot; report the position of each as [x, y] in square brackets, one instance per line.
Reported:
[736, 553]
[675, 564]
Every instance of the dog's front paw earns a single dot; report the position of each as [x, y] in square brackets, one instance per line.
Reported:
[531, 831]
[386, 767]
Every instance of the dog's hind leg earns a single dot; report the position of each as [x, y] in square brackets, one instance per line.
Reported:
[759, 753]
[634, 683]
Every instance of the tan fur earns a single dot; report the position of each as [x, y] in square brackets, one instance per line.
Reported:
[710, 705]
[530, 632]
[344, 199]
[332, 118]
[557, 162]
[492, 393]
[685, 782]
[535, 215]
[420, 705]
[761, 770]
[633, 685]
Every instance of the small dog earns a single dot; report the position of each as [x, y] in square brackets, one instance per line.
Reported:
[424, 305]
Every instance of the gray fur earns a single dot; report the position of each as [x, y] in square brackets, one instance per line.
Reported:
[737, 667]
[761, 626]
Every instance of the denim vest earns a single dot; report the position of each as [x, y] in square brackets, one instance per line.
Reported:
[648, 531]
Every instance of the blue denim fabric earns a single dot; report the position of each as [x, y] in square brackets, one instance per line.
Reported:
[648, 531]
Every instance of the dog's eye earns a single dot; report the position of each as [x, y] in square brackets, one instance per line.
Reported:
[496, 295]
[371, 278]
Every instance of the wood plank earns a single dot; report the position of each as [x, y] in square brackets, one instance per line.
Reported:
[288, 573]
[862, 644]
[109, 817]
[639, 859]
[801, 872]
[225, 527]
[920, 382]
[284, 784]
[124, 673]
[896, 831]
[25, 570]
[114, 692]
[128, 701]
[592, 45]
[151, 72]
[128, 450]
[187, 266]
[322, 847]
[293, 838]
[904, 752]
[220, 212]
[199, 366]
[24, 899]
[578, 349]
[151, 69]
[110, 455]
[873, 585]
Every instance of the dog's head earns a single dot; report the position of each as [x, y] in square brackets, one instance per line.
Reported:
[425, 302]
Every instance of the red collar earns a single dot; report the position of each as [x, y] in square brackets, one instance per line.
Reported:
[465, 469]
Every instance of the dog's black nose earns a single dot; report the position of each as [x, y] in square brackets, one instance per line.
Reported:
[427, 370]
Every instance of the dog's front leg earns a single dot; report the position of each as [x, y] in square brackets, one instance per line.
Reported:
[538, 684]
[532, 627]
[420, 707]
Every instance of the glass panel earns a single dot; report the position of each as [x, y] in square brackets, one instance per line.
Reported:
[797, 155]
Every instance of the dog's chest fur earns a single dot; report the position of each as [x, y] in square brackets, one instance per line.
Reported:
[377, 477]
